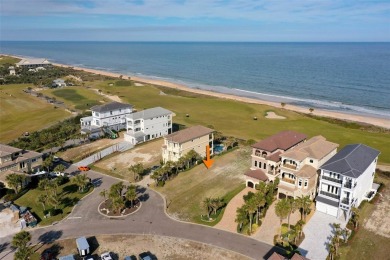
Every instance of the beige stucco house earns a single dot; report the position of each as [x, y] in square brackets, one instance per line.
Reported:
[299, 167]
[266, 154]
[180, 143]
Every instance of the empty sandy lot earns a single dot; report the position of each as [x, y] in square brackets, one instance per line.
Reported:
[160, 246]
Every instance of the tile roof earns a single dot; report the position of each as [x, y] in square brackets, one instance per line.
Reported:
[110, 107]
[298, 257]
[189, 134]
[257, 174]
[352, 160]
[275, 156]
[276, 256]
[283, 140]
[150, 113]
[316, 147]
[307, 171]
[6, 149]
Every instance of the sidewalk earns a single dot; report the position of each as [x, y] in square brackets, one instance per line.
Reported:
[228, 220]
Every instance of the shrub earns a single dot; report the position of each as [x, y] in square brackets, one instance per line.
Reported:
[10, 197]
[62, 180]
[161, 183]
[54, 212]
[254, 228]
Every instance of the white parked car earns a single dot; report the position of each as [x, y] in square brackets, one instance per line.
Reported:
[106, 256]
[56, 174]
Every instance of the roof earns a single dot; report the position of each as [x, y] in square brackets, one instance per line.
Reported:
[58, 81]
[327, 201]
[307, 171]
[352, 160]
[274, 157]
[67, 257]
[276, 256]
[283, 140]
[297, 256]
[189, 134]
[33, 61]
[150, 113]
[257, 174]
[6, 149]
[82, 243]
[110, 107]
[316, 147]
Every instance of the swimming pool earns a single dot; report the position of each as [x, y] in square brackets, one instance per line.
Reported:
[218, 148]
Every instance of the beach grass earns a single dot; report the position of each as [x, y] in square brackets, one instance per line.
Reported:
[8, 60]
[20, 112]
[79, 98]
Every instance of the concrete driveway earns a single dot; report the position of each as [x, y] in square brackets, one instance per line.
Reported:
[149, 219]
[318, 232]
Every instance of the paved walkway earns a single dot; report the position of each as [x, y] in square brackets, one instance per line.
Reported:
[228, 220]
[317, 235]
[149, 219]
[271, 225]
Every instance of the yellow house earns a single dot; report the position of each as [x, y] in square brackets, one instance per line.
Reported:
[180, 143]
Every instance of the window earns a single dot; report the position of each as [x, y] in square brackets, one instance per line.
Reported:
[110, 112]
[34, 160]
[306, 182]
[259, 164]
[300, 183]
[311, 161]
[264, 166]
[96, 114]
[255, 163]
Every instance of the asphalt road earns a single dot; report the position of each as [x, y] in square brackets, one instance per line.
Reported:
[149, 219]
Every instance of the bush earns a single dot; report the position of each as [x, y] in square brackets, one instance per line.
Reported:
[161, 183]
[54, 212]
[62, 180]
[254, 228]
[10, 197]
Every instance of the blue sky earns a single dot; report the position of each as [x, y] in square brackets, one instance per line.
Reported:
[195, 20]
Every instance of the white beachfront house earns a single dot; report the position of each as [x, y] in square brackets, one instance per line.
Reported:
[58, 83]
[346, 179]
[105, 117]
[12, 71]
[180, 143]
[299, 166]
[266, 156]
[33, 63]
[148, 124]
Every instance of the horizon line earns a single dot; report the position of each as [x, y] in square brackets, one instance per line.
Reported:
[120, 41]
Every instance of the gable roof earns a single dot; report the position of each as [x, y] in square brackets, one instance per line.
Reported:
[276, 256]
[7, 150]
[352, 160]
[150, 113]
[110, 107]
[189, 134]
[316, 147]
[283, 140]
[257, 174]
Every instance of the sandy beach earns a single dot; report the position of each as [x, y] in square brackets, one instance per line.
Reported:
[381, 122]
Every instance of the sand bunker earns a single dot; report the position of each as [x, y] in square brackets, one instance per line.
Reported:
[273, 115]
[138, 84]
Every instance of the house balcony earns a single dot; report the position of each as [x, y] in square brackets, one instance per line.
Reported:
[332, 179]
[290, 166]
[346, 201]
[288, 180]
[349, 185]
[335, 196]
[271, 172]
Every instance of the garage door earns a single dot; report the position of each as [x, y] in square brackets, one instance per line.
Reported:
[328, 209]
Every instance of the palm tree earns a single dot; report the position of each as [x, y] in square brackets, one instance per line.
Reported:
[207, 206]
[42, 199]
[48, 163]
[260, 202]
[44, 184]
[293, 207]
[137, 170]
[241, 216]
[355, 216]
[118, 204]
[14, 181]
[216, 204]
[304, 203]
[332, 250]
[54, 200]
[131, 194]
[250, 208]
[81, 181]
[59, 168]
[282, 209]
[103, 193]
[20, 241]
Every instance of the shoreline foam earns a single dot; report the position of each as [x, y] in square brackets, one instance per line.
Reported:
[377, 121]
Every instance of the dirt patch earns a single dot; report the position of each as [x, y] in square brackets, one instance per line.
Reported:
[379, 221]
[273, 115]
[112, 97]
[105, 208]
[161, 247]
[148, 154]
[138, 84]
[87, 149]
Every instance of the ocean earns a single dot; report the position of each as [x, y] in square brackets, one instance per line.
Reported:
[346, 77]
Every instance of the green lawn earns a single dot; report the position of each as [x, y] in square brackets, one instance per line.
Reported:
[185, 193]
[366, 244]
[236, 118]
[69, 197]
[22, 112]
[76, 97]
